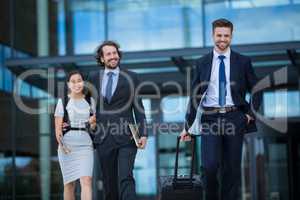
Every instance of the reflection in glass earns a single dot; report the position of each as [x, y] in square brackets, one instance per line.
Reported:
[281, 104]
[6, 174]
[145, 169]
[88, 25]
[248, 26]
[155, 24]
[174, 108]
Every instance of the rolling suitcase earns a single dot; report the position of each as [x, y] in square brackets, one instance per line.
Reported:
[182, 187]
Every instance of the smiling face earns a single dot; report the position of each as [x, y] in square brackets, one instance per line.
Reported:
[222, 38]
[76, 84]
[110, 57]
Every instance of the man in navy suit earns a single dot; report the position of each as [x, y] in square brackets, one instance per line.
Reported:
[118, 105]
[221, 81]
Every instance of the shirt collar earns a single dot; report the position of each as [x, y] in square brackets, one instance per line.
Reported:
[114, 71]
[226, 54]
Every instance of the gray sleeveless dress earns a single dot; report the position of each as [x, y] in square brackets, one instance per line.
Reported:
[80, 160]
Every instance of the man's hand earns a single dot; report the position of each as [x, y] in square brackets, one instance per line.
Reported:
[249, 118]
[185, 136]
[142, 142]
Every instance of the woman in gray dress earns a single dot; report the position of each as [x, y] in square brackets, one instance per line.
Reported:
[75, 148]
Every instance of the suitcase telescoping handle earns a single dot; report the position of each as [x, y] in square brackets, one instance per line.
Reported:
[193, 137]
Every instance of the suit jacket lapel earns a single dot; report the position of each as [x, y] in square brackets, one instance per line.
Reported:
[119, 85]
[233, 69]
[207, 68]
[99, 83]
[101, 74]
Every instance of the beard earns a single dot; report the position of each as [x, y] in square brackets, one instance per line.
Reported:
[222, 45]
[111, 65]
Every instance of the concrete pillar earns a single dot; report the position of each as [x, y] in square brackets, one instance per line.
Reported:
[44, 118]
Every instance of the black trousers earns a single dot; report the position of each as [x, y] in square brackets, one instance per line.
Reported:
[221, 152]
[117, 163]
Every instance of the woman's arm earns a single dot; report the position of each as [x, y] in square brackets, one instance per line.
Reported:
[58, 129]
[58, 120]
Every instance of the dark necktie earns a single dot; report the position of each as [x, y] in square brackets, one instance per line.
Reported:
[222, 82]
[108, 91]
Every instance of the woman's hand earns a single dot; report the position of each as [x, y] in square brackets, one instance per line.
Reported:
[65, 125]
[92, 121]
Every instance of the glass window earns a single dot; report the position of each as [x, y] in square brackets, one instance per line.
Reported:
[265, 168]
[7, 80]
[145, 163]
[24, 89]
[281, 104]
[145, 169]
[36, 148]
[38, 93]
[276, 168]
[58, 27]
[155, 24]
[5, 176]
[280, 16]
[148, 24]
[6, 160]
[167, 155]
[28, 176]
[87, 16]
[61, 28]
[298, 160]
[258, 3]
[7, 52]
[1, 66]
[147, 108]
[1, 77]
[174, 108]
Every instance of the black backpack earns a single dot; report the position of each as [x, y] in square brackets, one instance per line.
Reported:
[67, 120]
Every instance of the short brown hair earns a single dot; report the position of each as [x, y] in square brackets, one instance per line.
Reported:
[99, 50]
[222, 23]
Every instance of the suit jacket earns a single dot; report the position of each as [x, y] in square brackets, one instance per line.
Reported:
[125, 107]
[242, 78]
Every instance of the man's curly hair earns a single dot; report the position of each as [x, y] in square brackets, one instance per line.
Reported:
[99, 50]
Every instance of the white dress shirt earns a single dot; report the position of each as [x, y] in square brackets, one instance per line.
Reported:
[115, 76]
[212, 94]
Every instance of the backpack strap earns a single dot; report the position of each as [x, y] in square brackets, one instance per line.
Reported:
[65, 101]
[66, 119]
[88, 99]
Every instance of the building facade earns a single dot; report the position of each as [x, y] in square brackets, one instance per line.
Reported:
[41, 40]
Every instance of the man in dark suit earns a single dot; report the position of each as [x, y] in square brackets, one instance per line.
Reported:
[118, 105]
[221, 81]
